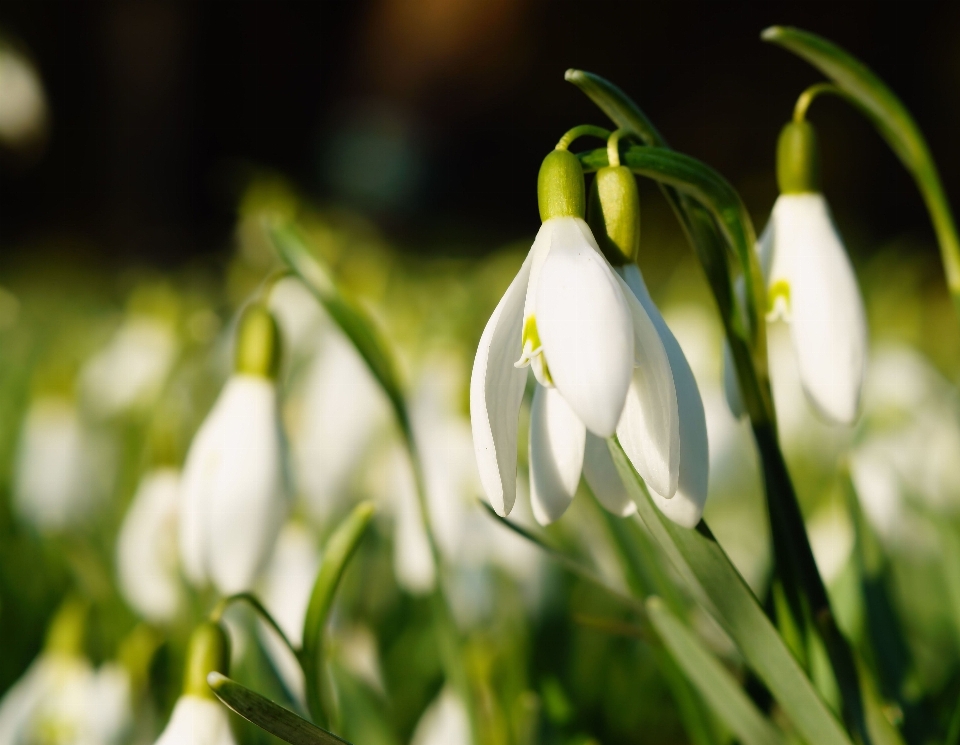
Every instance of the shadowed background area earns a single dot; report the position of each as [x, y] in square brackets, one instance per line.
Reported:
[433, 116]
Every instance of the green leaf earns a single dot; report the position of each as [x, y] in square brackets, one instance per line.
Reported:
[358, 327]
[269, 716]
[336, 555]
[893, 121]
[719, 588]
[714, 682]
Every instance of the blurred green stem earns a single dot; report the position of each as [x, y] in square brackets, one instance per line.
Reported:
[250, 599]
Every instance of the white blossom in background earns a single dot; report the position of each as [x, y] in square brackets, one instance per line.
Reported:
[197, 721]
[445, 722]
[23, 103]
[148, 566]
[338, 411]
[62, 700]
[302, 320]
[130, 372]
[285, 592]
[604, 365]
[62, 468]
[831, 539]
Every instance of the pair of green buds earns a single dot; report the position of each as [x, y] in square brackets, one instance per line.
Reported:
[613, 213]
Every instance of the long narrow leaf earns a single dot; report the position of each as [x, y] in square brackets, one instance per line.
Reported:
[894, 122]
[714, 682]
[269, 716]
[719, 588]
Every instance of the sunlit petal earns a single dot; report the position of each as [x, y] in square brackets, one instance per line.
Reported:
[556, 454]
[828, 322]
[686, 505]
[496, 390]
[585, 325]
[601, 474]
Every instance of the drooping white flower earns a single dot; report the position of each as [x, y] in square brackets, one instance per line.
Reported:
[147, 559]
[60, 467]
[197, 721]
[445, 722]
[234, 494]
[131, 370]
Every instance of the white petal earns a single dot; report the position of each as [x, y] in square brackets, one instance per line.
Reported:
[731, 386]
[649, 429]
[828, 323]
[557, 439]
[585, 326]
[445, 722]
[234, 492]
[686, 505]
[197, 721]
[496, 390]
[147, 568]
[601, 474]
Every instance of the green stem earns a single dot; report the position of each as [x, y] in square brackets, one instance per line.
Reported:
[250, 599]
[807, 97]
[613, 146]
[584, 130]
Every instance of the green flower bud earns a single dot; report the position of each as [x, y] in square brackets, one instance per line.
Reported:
[209, 651]
[68, 628]
[560, 190]
[614, 214]
[798, 159]
[258, 343]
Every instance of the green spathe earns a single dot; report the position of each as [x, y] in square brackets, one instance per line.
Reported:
[614, 214]
[798, 159]
[209, 652]
[560, 189]
[258, 343]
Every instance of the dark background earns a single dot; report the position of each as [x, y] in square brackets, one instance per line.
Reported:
[433, 116]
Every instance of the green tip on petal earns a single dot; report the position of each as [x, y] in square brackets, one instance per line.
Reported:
[614, 214]
[209, 652]
[798, 159]
[258, 343]
[560, 189]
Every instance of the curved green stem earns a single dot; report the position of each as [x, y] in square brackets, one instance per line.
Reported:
[613, 146]
[807, 97]
[250, 599]
[868, 93]
[584, 130]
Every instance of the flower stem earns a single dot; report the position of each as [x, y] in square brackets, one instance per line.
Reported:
[584, 130]
[613, 146]
[250, 599]
[806, 98]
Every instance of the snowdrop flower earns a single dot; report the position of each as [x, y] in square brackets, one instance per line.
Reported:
[445, 722]
[23, 103]
[198, 718]
[597, 354]
[811, 284]
[234, 492]
[147, 559]
[130, 372]
[59, 467]
[62, 699]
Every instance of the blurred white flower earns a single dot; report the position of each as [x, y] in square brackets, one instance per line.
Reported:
[357, 650]
[341, 409]
[23, 104]
[301, 318]
[285, 592]
[131, 370]
[62, 700]
[147, 559]
[234, 491]
[812, 286]
[831, 538]
[445, 722]
[62, 467]
[197, 721]
[603, 366]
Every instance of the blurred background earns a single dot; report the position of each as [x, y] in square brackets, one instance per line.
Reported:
[148, 141]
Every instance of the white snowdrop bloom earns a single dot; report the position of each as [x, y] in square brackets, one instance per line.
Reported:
[831, 539]
[197, 721]
[598, 357]
[285, 592]
[340, 410]
[61, 466]
[445, 722]
[131, 370]
[234, 492]
[147, 559]
[23, 104]
[300, 317]
[62, 700]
